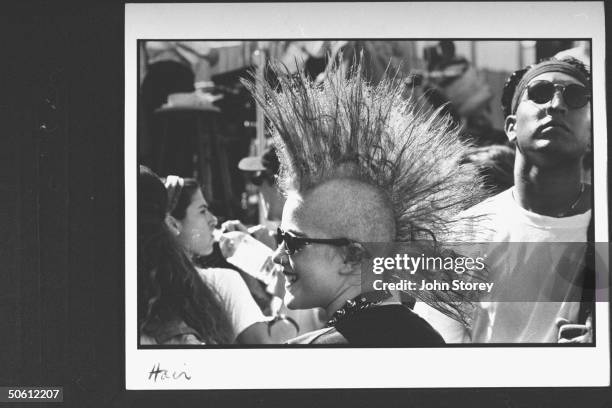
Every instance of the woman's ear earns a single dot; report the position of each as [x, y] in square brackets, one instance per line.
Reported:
[354, 254]
[173, 224]
[510, 127]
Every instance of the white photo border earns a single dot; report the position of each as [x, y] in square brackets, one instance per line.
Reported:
[290, 368]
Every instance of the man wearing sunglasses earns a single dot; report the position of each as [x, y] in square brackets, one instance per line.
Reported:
[548, 118]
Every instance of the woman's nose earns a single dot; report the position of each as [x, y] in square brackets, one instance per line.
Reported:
[213, 220]
[279, 256]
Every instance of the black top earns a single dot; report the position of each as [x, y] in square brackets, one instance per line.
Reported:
[384, 325]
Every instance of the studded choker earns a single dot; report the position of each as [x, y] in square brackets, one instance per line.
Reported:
[357, 304]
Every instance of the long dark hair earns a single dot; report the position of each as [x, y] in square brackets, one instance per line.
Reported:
[169, 287]
[182, 197]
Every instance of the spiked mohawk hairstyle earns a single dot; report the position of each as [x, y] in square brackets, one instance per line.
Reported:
[346, 128]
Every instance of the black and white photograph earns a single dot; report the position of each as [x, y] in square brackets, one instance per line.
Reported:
[398, 191]
[314, 204]
[225, 196]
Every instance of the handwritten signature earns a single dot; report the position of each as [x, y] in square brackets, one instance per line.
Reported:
[158, 373]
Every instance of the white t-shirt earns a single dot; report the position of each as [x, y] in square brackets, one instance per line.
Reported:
[527, 269]
[235, 297]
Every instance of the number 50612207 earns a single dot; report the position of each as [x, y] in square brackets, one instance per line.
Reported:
[8, 394]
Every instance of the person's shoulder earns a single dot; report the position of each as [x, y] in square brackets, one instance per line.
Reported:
[227, 283]
[392, 324]
[219, 274]
[481, 222]
[392, 313]
[386, 325]
[489, 206]
[326, 335]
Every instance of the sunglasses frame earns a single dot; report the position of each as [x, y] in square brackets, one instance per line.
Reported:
[563, 89]
[303, 241]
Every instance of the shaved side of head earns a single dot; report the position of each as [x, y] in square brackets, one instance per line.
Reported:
[349, 208]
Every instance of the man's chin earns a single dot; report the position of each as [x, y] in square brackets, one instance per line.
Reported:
[542, 143]
[549, 153]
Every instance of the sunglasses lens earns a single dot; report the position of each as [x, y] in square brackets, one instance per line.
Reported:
[282, 236]
[576, 96]
[292, 244]
[541, 92]
[257, 180]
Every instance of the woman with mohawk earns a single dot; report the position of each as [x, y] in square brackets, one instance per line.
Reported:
[360, 165]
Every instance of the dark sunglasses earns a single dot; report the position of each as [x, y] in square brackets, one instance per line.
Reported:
[575, 96]
[294, 244]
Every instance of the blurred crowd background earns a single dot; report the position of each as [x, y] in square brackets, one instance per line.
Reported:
[197, 120]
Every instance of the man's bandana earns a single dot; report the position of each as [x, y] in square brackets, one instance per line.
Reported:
[546, 66]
